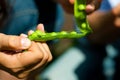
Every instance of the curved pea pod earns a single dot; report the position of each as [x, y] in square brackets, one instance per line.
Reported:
[82, 24]
[41, 36]
[80, 16]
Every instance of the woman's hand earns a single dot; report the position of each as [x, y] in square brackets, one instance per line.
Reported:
[18, 62]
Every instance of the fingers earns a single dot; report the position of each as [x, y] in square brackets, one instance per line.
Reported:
[116, 13]
[90, 8]
[92, 5]
[36, 56]
[117, 22]
[36, 53]
[72, 1]
[116, 10]
[31, 56]
[21, 64]
[23, 35]
[9, 42]
[39, 58]
[44, 45]
[39, 55]
[48, 51]
[30, 32]
[40, 27]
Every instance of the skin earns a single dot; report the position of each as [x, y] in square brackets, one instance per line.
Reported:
[68, 5]
[80, 17]
[104, 30]
[15, 62]
[107, 29]
[20, 63]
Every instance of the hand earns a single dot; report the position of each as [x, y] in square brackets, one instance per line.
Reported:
[68, 5]
[92, 5]
[18, 62]
[116, 13]
[105, 25]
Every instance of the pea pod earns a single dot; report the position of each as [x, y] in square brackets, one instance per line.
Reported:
[82, 24]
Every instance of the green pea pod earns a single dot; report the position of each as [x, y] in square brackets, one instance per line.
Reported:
[82, 23]
[80, 16]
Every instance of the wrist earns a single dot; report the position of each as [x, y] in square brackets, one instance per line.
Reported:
[6, 76]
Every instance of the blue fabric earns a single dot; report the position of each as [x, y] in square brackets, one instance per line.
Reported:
[105, 5]
[108, 4]
[23, 17]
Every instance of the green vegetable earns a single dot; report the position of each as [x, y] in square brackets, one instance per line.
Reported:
[80, 17]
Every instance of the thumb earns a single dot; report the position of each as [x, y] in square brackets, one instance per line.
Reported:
[9, 42]
[92, 5]
[40, 27]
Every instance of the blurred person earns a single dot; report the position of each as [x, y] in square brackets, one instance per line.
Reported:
[51, 12]
[105, 25]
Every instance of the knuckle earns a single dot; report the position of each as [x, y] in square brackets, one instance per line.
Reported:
[46, 57]
[15, 70]
[50, 59]
[40, 56]
[11, 41]
[22, 75]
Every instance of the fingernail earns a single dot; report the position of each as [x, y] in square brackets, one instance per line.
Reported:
[41, 27]
[90, 8]
[23, 35]
[25, 42]
[30, 32]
